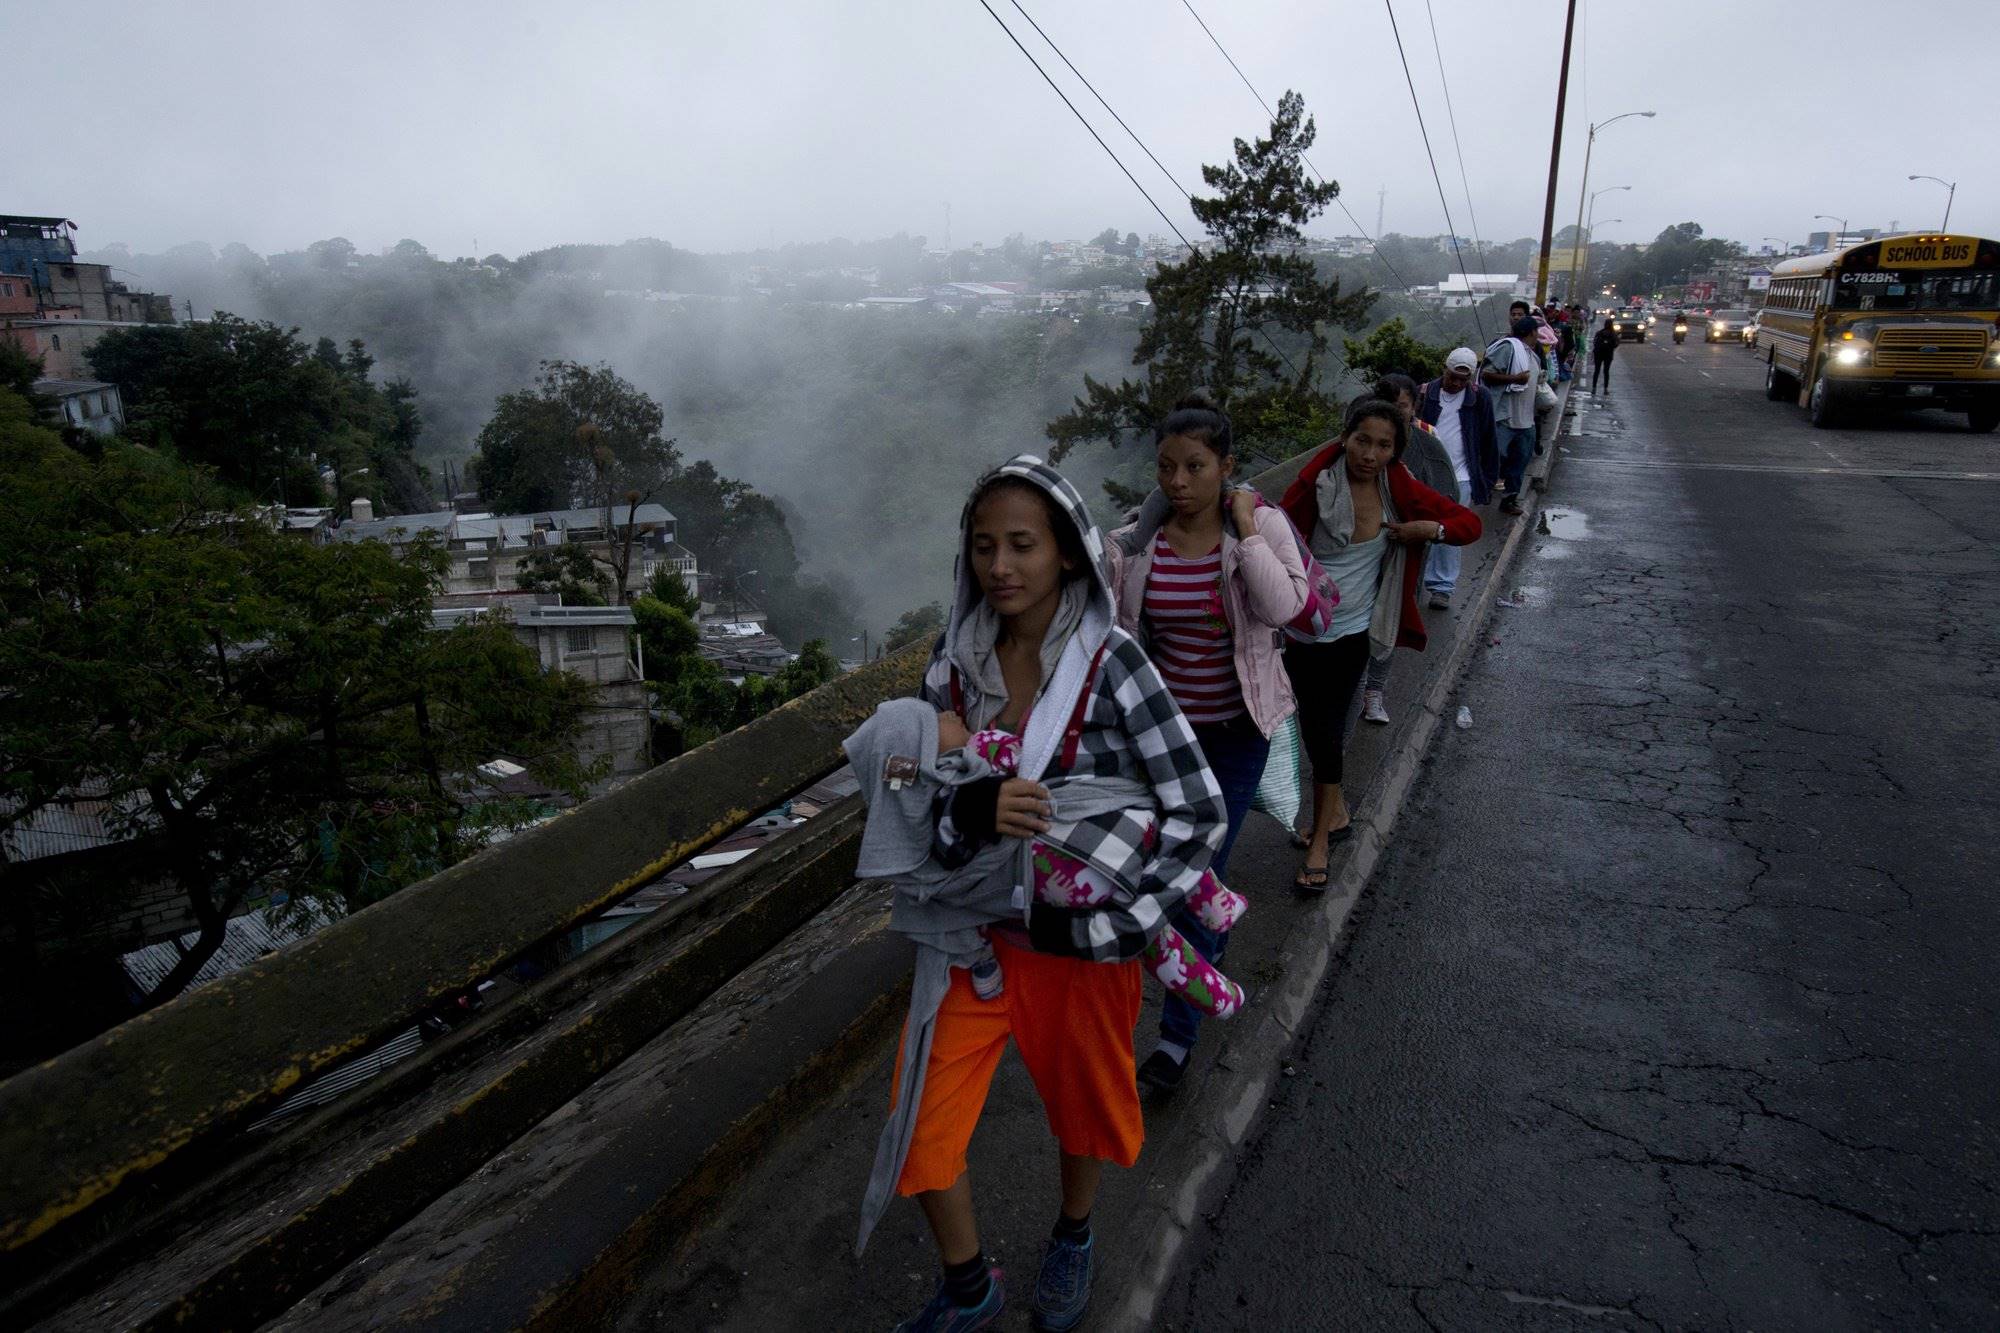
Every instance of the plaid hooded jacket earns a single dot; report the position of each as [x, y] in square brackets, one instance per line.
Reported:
[1132, 728]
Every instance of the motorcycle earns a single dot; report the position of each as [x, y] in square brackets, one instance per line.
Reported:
[1680, 332]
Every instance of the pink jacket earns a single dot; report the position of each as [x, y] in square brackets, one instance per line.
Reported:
[1263, 587]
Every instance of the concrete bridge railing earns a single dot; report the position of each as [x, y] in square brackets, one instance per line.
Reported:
[133, 1144]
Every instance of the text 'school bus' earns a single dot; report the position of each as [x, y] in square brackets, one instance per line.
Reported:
[1906, 320]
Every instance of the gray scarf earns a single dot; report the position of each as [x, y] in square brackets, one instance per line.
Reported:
[975, 651]
[1335, 529]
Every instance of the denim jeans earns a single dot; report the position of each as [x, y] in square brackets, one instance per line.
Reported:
[1442, 566]
[1517, 446]
[1236, 752]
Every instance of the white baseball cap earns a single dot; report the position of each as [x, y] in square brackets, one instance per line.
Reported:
[1461, 358]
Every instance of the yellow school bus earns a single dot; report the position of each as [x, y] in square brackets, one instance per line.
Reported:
[1908, 320]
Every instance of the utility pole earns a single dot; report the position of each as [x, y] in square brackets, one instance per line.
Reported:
[1381, 202]
[1555, 160]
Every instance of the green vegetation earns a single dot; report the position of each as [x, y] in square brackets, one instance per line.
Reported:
[266, 414]
[1244, 319]
[264, 715]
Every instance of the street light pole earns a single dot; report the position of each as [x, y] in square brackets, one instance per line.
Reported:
[1579, 257]
[1581, 190]
[1951, 193]
[1828, 217]
[1590, 230]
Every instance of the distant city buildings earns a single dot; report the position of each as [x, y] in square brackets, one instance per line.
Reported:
[54, 307]
[598, 643]
[1459, 290]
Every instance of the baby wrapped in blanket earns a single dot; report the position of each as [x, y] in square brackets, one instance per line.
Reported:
[1067, 881]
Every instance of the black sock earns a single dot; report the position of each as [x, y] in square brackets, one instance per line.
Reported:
[968, 1283]
[1075, 1230]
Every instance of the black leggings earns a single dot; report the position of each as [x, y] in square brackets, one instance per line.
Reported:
[1323, 677]
[1600, 370]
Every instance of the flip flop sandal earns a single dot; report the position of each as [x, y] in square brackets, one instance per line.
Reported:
[1311, 879]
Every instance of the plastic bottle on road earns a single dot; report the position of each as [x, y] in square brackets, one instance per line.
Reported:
[1464, 718]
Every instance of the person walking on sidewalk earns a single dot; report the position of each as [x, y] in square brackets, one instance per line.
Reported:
[1033, 641]
[1367, 517]
[1512, 371]
[1602, 348]
[1207, 577]
[1428, 462]
[1461, 411]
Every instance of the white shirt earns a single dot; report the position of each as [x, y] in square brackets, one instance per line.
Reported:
[1451, 431]
[1516, 401]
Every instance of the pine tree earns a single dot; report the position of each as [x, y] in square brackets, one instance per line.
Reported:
[1244, 316]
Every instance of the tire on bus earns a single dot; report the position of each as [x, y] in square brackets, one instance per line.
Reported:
[1824, 405]
[1778, 386]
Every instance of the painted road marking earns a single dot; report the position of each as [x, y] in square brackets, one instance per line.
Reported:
[1922, 474]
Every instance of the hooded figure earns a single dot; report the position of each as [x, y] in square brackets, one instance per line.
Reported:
[1129, 727]
[1130, 797]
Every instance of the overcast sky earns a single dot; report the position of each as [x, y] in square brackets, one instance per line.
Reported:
[728, 124]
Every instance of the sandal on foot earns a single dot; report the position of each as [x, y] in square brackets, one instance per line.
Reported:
[1311, 879]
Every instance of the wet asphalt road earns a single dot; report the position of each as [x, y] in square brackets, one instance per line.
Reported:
[1674, 1004]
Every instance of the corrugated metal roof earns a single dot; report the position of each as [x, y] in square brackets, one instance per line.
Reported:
[75, 825]
[245, 939]
[70, 388]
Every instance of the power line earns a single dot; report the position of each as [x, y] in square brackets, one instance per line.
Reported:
[1457, 252]
[1478, 247]
[1100, 98]
[1352, 220]
[1085, 123]
[1192, 250]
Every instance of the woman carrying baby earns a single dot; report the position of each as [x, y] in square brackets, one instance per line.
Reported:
[1033, 649]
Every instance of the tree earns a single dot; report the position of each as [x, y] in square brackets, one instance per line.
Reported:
[730, 524]
[252, 402]
[669, 638]
[262, 715]
[1391, 349]
[583, 438]
[919, 623]
[1222, 318]
[668, 587]
[1107, 239]
[568, 571]
[18, 369]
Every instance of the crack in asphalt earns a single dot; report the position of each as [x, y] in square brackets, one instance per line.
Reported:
[1916, 1237]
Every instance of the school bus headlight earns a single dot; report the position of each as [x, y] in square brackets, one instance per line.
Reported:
[1853, 354]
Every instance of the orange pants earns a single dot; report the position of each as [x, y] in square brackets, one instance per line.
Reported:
[1073, 1021]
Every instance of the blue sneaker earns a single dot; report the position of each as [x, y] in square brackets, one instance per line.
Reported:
[942, 1316]
[1062, 1292]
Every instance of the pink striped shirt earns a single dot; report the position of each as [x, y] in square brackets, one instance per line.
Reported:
[1189, 636]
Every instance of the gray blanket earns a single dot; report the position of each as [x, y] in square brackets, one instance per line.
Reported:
[895, 756]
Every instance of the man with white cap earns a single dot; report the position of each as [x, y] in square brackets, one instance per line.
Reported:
[1511, 373]
[1461, 411]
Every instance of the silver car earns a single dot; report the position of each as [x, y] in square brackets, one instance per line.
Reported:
[1726, 326]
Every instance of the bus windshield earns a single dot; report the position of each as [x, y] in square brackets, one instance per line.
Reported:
[1915, 289]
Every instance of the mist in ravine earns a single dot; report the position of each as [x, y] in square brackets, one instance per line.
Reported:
[868, 426]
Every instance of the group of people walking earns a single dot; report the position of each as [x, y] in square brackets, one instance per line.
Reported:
[1092, 730]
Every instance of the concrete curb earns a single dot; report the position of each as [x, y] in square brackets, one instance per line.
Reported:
[1228, 1108]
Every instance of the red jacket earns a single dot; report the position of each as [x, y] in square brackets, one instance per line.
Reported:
[1413, 500]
